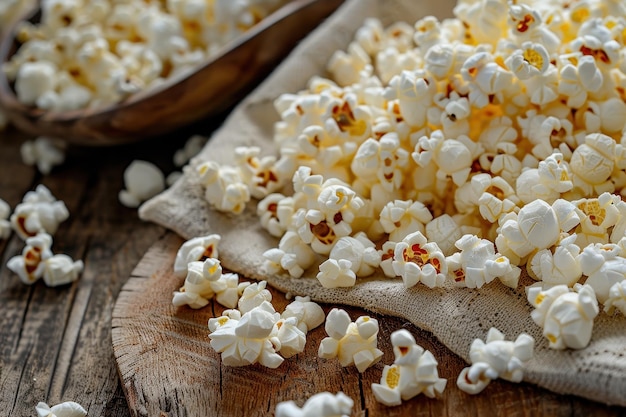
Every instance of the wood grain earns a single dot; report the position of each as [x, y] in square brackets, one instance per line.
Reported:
[168, 368]
[214, 87]
[55, 342]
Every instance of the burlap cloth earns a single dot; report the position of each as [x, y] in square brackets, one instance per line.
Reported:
[455, 315]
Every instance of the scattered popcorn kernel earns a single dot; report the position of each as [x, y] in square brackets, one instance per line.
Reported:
[195, 249]
[495, 358]
[66, 409]
[414, 372]
[292, 255]
[309, 314]
[566, 316]
[38, 212]
[192, 147]
[197, 290]
[143, 180]
[247, 339]
[43, 152]
[30, 265]
[353, 343]
[323, 404]
[60, 270]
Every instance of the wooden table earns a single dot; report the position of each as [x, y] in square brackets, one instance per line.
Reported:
[56, 342]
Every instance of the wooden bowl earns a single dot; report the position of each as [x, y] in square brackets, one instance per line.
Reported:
[212, 88]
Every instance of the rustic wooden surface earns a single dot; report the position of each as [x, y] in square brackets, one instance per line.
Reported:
[56, 343]
[168, 367]
[215, 86]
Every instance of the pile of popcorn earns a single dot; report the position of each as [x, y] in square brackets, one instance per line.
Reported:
[457, 151]
[89, 54]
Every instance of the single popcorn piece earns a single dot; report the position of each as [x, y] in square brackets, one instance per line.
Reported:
[557, 266]
[30, 265]
[253, 296]
[353, 343]
[60, 270]
[195, 249]
[566, 316]
[413, 372]
[224, 186]
[65, 409]
[417, 260]
[478, 264]
[604, 267]
[43, 152]
[323, 404]
[495, 358]
[292, 255]
[535, 226]
[38, 212]
[143, 180]
[309, 314]
[617, 298]
[5, 224]
[350, 257]
[204, 281]
[402, 217]
[247, 339]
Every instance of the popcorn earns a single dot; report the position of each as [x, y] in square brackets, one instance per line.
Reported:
[292, 255]
[43, 152]
[5, 224]
[358, 253]
[143, 180]
[414, 91]
[478, 264]
[224, 186]
[533, 59]
[323, 404]
[444, 231]
[30, 265]
[111, 50]
[37, 261]
[204, 281]
[353, 343]
[414, 372]
[580, 76]
[195, 250]
[247, 339]
[604, 267]
[253, 296]
[566, 316]
[416, 259]
[267, 211]
[308, 314]
[65, 409]
[60, 270]
[617, 298]
[402, 217]
[536, 226]
[495, 358]
[559, 266]
[38, 212]
[592, 163]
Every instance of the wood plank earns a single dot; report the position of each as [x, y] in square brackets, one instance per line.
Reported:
[56, 341]
[168, 367]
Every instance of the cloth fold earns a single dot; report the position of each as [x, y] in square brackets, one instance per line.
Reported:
[455, 315]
